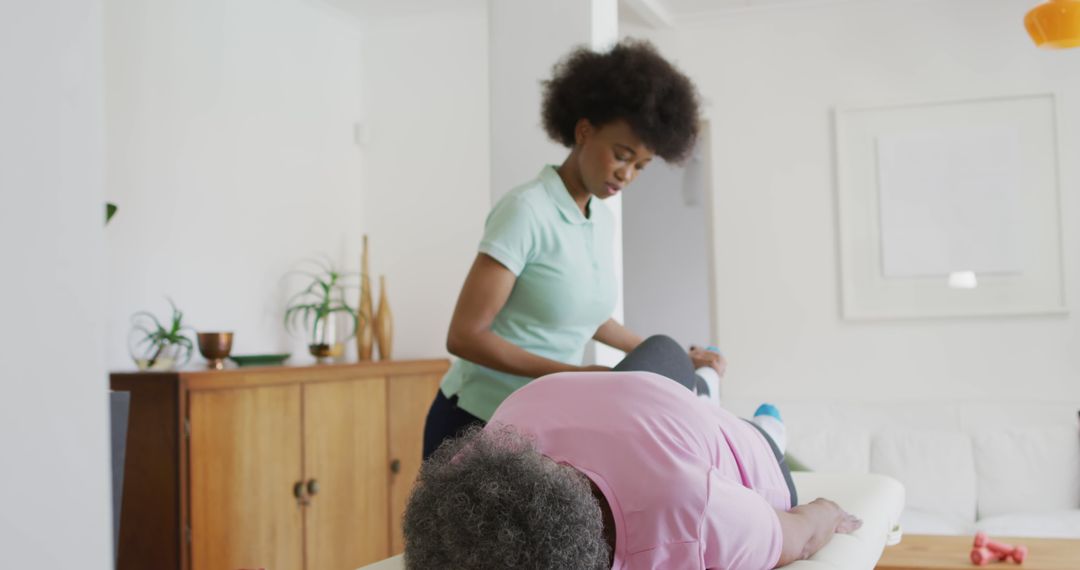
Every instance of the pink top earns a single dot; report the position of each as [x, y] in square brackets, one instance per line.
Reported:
[690, 485]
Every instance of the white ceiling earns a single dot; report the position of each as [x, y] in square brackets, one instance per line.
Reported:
[680, 8]
[369, 9]
[666, 13]
[652, 13]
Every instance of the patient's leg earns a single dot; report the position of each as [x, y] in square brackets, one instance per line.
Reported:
[661, 355]
[767, 417]
[778, 451]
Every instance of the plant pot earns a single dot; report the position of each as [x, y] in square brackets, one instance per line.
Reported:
[327, 351]
[169, 357]
[328, 340]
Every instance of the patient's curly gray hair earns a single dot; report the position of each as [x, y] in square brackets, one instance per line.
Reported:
[489, 500]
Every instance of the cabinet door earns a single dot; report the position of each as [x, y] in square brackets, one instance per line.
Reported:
[244, 461]
[409, 400]
[345, 455]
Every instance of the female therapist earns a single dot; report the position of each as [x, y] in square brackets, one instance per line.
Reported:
[543, 283]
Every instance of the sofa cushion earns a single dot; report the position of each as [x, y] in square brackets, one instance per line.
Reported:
[936, 467]
[834, 451]
[916, 521]
[1027, 470]
[1047, 524]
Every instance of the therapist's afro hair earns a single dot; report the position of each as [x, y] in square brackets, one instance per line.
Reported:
[488, 500]
[631, 81]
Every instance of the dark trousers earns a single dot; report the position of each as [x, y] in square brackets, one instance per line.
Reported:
[445, 420]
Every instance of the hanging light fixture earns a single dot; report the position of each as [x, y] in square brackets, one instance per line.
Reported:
[1055, 24]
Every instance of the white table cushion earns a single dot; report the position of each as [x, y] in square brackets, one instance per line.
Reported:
[876, 499]
[393, 563]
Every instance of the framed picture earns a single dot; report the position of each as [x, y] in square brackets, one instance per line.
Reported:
[950, 209]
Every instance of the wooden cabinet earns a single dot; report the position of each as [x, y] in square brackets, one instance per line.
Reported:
[406, 399]
[244, 457]
[304, 468]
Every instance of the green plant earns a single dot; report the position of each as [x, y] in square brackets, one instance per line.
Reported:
[151, 340]
[323, 296]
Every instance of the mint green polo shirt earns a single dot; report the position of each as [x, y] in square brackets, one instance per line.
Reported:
[565, 287]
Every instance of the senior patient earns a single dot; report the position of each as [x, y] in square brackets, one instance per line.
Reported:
[587, 470]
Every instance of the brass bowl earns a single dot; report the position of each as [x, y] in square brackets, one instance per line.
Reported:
[215, 348]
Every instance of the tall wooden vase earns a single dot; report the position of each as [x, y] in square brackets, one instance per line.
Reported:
[384, 323]
[365, 332]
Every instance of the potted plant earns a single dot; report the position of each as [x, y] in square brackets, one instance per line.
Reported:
[317, 307]
[157, 346]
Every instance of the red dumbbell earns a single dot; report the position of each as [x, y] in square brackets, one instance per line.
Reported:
[981, 556]
[1002, 550]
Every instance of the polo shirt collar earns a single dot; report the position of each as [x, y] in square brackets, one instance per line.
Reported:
[558, 192]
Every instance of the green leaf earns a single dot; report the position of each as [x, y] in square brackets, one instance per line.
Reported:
[146, 314]
[146, 332]
[110, 211]
[323, 295]
[310, 290]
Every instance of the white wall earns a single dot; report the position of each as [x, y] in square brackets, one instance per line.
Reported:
[231, 156]
[53, 414]
[773, 77]
[427, 187]
[527, 39]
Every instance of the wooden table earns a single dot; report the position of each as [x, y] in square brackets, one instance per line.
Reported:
[926, 552]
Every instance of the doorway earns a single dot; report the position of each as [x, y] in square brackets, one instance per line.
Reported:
[668, 260]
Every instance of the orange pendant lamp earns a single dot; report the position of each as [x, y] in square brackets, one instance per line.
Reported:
[1055, 24]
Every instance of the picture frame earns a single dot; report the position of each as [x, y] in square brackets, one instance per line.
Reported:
[950, 208]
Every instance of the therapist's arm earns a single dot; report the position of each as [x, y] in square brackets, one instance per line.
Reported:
[808, 528]
[486, 289]
[616, 335]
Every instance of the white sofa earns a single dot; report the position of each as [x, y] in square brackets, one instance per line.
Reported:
[1007, 469]
[876, 499]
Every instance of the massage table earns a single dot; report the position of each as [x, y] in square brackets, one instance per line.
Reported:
[876, 499]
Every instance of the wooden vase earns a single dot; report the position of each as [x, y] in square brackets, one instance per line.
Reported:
[365, 326]
[384, 323]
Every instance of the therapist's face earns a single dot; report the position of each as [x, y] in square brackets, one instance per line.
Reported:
[610, 156]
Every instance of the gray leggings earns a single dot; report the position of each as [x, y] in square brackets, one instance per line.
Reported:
[662, 355]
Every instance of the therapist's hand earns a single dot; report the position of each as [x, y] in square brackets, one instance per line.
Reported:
[702, 357]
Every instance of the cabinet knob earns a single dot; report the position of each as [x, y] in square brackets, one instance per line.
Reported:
[313, 487]
[302, 498]
[395, 466]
